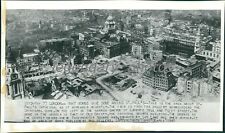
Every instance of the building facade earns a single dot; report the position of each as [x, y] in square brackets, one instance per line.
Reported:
[197, 69]
[14, 83]
[182, 44]
[137, 51]
[213, 54]
[159, 78]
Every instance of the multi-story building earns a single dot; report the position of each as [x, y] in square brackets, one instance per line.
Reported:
[113, 47]
[58, 44]
[84, 51]
[180, 43]
[137, 51]
[212, 54]
[197, 69]
[116, 48]
[195, 87]
[171, 59]
[208, 54]
[159, 78]
[156, 55]
[38, 73]
[29, 58]
[182, 84]
[100, 46]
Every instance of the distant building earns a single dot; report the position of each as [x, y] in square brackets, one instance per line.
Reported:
[90, 51]
[113, 48]
[180, 43]
[57, 44]
[171, 59]
[137, 51]
[207, 54]
[213, 54]
[30, 57]
[37, 73]
[152, 32]
[153, 43]
[159, 78]
[84, 51]
[81, 37]
[168, 16]
[156, 55]
[100, 46]
[110, 25]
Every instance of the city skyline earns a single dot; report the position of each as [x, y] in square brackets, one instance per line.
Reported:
[117, 54]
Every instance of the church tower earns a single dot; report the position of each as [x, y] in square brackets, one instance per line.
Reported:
[14, 80]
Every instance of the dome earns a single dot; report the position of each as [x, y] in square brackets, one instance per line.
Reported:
[110, 18]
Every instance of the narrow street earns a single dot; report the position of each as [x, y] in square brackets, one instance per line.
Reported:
[108, 90]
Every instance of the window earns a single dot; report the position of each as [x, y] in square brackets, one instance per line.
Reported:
[16, 88]
[8, 91]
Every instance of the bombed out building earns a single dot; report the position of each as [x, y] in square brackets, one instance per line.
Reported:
[57, 44]
[159, 78]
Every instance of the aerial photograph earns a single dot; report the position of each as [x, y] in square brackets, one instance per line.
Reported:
[98, 54]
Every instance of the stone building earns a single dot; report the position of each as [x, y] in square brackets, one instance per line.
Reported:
[159, 78]
[14, 80]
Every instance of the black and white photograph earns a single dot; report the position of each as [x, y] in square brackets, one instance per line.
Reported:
[104, 57]
[171, 55]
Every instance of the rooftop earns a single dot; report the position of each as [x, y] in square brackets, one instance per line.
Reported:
[55, 40]
[159, 71]
[199, 63]
[30, 55]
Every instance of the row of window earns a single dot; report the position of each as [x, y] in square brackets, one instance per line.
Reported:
[165, 86]
[210, 54]
[157, 82]
[37, 74]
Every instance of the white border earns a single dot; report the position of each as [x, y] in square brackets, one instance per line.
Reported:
[194, 5]
[184, 5]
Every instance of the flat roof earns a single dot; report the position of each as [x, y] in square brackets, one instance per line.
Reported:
[30, 55]
[55, 40]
